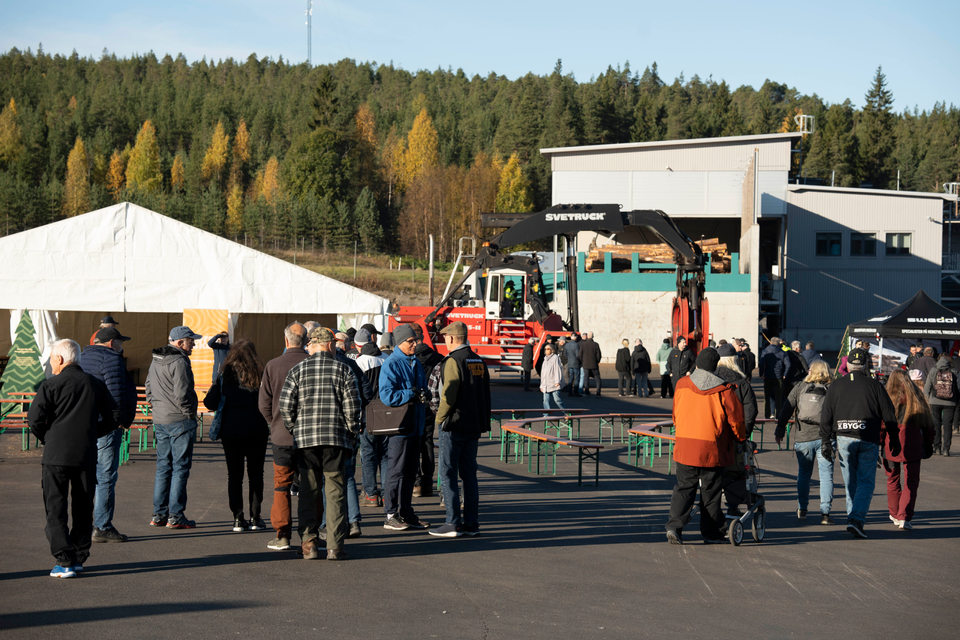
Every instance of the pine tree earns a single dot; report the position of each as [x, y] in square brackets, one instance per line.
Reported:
[143, 168]
[368, 221]
[11, 139]
[325, 101]
[23, 372]
[875, 134]
[215, 158]
[77, 188]
[513, 193]
[346, 226]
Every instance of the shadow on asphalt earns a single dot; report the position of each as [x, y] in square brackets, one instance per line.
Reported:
[55, 617]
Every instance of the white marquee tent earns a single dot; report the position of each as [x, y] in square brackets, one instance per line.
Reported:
[127, 259]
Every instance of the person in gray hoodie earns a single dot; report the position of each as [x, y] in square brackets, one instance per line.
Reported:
[171, 394]
[940, 388]
[663, 358]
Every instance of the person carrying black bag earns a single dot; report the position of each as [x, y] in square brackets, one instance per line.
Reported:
[243, 430]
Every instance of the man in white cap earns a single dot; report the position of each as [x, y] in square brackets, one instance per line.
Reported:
[171, 394]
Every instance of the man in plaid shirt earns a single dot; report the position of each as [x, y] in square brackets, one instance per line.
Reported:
[320, 404]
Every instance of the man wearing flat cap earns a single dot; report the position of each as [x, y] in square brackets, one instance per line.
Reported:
[855, 411]
[171, 394]
[464, 415]
[104, 361]
[320, 403]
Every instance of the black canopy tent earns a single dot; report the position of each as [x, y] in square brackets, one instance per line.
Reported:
[919, 319]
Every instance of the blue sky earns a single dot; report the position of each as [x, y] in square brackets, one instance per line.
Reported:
[828, 48]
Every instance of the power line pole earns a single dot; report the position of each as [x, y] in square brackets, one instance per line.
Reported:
[309, 13]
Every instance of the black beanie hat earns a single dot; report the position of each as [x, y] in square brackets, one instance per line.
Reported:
[708, 359]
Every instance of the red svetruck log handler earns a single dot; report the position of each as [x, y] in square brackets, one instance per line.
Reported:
[501, 296]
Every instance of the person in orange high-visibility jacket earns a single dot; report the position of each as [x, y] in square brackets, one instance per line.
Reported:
[708, 417]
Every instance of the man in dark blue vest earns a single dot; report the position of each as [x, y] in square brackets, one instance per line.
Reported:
[464, 415]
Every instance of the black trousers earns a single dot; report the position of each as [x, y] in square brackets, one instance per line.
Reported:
[402, 454]
[251, 450]
[709, 480]
[592, 373]
[666, 386]
[69, 546]
[428, 458]
[526, 379]
[625, 382]
[772, 397]
[943, 423]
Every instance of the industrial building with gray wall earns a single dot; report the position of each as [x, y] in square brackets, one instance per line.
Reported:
[807, 260]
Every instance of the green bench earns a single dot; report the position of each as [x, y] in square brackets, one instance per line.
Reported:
[549, 445]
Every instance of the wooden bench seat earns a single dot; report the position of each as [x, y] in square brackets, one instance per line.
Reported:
[550, 444]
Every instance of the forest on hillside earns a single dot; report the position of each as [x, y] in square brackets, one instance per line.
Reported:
[272, 154]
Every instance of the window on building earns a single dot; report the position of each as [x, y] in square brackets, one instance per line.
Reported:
[828, 244]
[898, 244]
[863, 244]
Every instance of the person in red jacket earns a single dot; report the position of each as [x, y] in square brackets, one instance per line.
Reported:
[904, 448]
[708, 417]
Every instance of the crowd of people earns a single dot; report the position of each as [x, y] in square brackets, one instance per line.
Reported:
[310, 404]
[333, 395]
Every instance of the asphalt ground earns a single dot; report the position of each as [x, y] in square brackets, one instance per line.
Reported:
[554, 560]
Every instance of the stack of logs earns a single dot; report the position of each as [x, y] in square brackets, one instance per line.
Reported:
[620, 256]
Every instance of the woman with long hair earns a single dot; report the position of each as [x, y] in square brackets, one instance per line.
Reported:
[803, 407]
[904, 447]
[243, 431]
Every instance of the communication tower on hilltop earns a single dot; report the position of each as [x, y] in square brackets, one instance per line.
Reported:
[309, 13]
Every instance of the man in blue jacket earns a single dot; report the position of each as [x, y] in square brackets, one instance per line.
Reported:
[402, 381]
[104, 361]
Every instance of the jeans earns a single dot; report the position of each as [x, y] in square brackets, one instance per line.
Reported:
[74, 486]
[641, 382]
[322, 467]
[373, 456]
[108, 461]
[353, 498]
[404, 455]
[556, 399]
[174, 460]
[858, 464]
[251, 450]
[807, 452]
[458, 456]
[579, 382]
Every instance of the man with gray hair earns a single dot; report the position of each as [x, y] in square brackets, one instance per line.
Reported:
[171, 393]
[284, 453]
[70, 411]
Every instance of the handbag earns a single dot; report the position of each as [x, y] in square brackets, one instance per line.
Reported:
[390, 421]
[218, 416]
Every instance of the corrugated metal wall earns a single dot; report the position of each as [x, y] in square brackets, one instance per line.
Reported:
[825, 294]
[711, 155]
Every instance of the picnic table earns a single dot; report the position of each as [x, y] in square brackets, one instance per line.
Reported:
[520, 414]
[550, 445]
